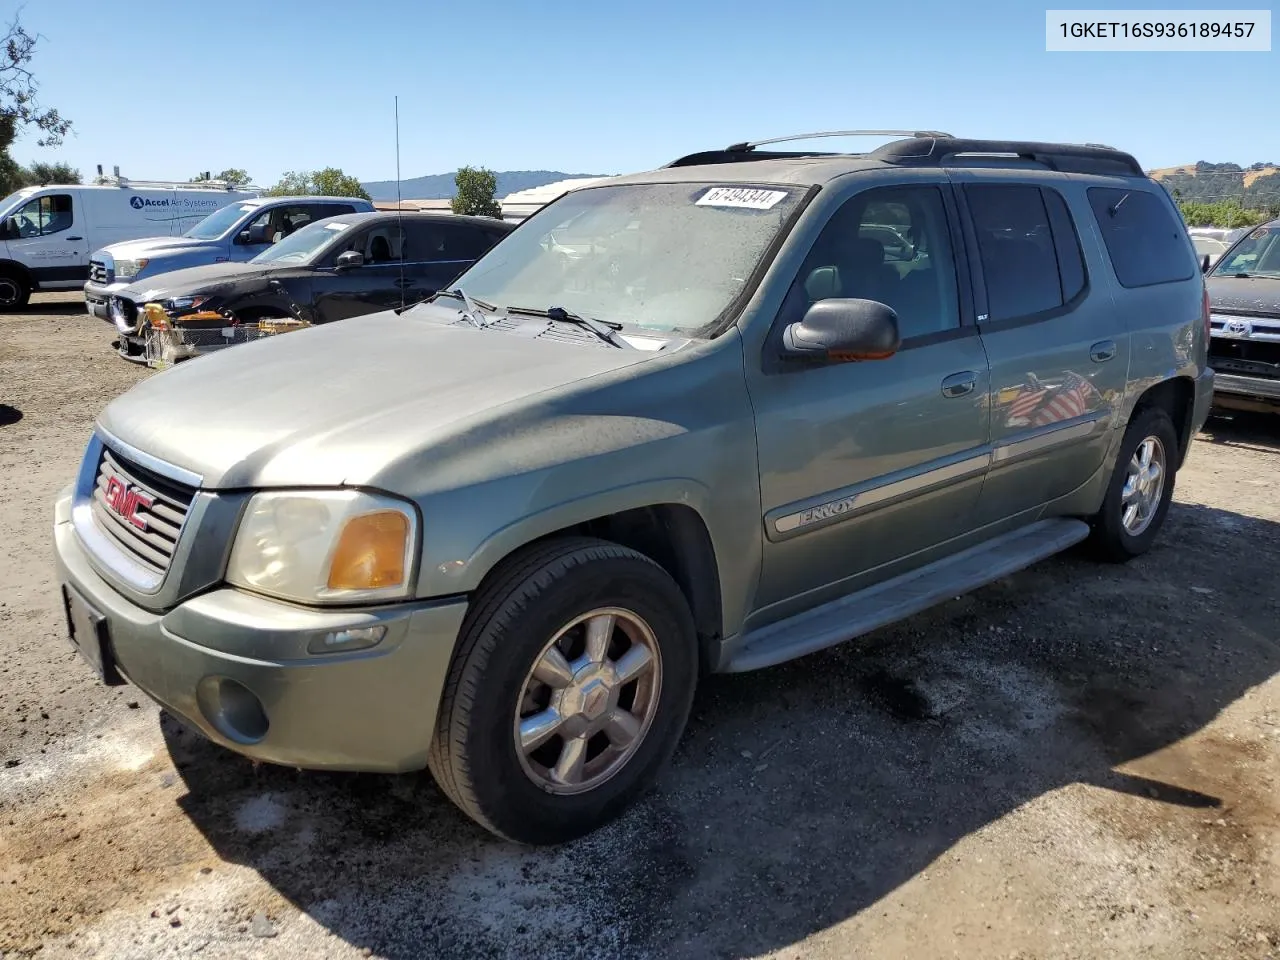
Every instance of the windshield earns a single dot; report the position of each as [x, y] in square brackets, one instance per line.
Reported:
[14, 200]
[299, 247]
[669, 257]
[1257, 255]
[219, 222]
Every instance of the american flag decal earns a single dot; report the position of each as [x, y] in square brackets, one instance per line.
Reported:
[1038, 404]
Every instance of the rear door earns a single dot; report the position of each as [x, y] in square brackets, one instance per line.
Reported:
[1059, 356]
[439, 251]
[49, 235]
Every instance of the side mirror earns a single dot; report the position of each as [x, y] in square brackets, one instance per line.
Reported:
[1204, 264]
[839, 330]
[348, 259]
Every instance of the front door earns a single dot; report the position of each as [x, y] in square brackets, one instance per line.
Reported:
[378, 284]
[863, 465]
[49, 235]
[1059, 364]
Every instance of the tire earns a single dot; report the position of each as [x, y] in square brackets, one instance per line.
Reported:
[15, 292]
[475, 755]
[1112, 539]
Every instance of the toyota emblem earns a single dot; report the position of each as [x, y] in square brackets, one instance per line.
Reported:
[1237, 328]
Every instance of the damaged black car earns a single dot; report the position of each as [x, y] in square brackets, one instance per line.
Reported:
[333, 269]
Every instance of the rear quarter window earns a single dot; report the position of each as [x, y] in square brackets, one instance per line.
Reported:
[1146, 242]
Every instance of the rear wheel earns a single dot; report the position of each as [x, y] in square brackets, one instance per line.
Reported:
[1141, 488]
[15, 292]
[569, 691]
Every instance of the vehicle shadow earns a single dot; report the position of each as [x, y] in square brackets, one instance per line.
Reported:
[9, 415]
[1249, 431]
[804, 794]
[38, 308]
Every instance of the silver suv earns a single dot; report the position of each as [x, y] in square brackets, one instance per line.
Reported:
[768, 402]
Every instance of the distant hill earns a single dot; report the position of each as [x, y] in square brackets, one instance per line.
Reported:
[440, 186]
[1256, 186]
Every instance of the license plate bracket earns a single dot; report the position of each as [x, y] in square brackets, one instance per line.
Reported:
[90, 635]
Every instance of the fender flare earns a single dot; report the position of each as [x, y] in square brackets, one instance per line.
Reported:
[465, 576]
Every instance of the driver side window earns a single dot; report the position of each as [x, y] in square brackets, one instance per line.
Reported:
[891, 245]
[41, 217]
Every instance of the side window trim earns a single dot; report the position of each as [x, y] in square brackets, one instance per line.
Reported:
[1060, 242]
[979, 280]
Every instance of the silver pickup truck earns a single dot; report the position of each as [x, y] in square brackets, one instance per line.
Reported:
[770, 401]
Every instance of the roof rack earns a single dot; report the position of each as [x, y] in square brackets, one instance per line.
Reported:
[219, 185]
[932, 148]
[918, 134]
[1065, 157]
[738, 152]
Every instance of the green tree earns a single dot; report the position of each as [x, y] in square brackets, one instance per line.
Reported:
[1223, 213]
[232, 175]
[41, 172]
[19, 105]
[329, 182]
[476, 187]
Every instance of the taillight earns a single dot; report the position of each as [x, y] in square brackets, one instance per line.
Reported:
[1204, 314]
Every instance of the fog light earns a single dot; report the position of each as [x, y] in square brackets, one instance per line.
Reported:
[342, 641]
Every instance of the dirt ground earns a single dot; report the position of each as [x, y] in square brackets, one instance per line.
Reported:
[1078, 761]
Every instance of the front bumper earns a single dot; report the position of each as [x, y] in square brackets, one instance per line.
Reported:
[1260, 390]
[97, 297]
[371, 710]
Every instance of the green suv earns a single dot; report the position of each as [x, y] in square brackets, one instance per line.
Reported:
[766, 402]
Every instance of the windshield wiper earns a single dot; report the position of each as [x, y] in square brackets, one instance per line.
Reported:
[469, 311]
[604, 329]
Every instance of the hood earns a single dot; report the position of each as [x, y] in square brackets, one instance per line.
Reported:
[337, 404]
[1250, 295]
[193, 280]
[154, 247]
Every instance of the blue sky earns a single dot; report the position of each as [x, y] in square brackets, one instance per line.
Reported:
[166, 89]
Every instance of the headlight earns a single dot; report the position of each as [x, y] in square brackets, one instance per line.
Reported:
[183, 304]
[128, 269]
[330, 546]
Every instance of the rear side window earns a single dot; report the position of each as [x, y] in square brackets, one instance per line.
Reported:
[1016, 247]
[322, 210]
[464, 242]
[1146, 242]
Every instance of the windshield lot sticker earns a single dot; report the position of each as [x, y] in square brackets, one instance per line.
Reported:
[741, 197]
[1259, 233]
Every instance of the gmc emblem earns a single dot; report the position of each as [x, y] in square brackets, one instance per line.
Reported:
[127, 500]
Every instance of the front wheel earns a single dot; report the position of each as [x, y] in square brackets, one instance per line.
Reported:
[14, 292]
[571, 686]
[1141, 488]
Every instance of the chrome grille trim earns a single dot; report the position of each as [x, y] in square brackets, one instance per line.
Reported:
[139, 558]
[154, 538]
[98, 272]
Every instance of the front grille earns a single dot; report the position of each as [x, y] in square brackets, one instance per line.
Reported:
[147, 531]
[98, 272]
[1253, 358]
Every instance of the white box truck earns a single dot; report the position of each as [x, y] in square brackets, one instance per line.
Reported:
[48, 232]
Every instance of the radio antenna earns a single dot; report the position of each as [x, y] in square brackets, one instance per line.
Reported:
[399, 207]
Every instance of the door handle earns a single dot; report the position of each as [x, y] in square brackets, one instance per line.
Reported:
[1102, 351]
[75, 238]
[958, 384]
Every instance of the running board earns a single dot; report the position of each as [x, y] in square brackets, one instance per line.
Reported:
[905, 595]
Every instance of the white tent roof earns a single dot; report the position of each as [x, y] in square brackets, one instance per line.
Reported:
[537, 196]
